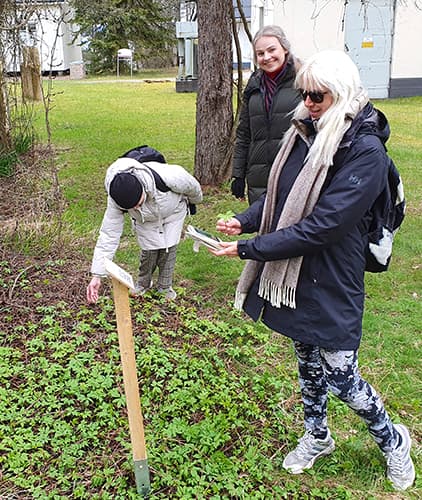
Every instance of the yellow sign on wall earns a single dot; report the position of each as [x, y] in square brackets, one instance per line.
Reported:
[367, 43]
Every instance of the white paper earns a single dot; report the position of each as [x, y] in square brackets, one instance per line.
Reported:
[200, 238]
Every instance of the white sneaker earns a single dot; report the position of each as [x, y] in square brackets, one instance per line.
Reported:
[400, 468]
[307, 451]
[168, 293]
[141, 290]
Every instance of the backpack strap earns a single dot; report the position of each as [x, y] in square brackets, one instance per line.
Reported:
[159, 183]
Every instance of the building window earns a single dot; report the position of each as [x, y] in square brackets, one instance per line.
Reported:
[261, 17]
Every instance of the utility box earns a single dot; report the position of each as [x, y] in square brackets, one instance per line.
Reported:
[186, 29]
[187, 55]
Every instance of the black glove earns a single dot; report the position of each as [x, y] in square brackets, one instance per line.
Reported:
[192, 209]
[238, 187]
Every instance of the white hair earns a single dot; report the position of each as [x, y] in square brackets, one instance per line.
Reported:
[335, 72]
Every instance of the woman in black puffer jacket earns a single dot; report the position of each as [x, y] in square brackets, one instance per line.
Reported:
[268, 100]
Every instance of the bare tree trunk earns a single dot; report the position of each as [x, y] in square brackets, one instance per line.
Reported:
[239, 62]
[31, 74]
[214, 109]
[228, 158]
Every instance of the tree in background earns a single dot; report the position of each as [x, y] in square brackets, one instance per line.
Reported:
[145, 26]
[214, 110]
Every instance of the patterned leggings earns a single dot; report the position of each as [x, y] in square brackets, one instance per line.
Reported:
[321, 370]
[164, 259]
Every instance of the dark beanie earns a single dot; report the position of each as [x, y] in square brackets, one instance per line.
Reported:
[126, 190]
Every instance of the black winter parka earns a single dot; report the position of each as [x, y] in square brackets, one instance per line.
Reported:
[332, 239]
[259, 133]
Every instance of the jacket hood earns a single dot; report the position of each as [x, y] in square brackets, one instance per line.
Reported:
[370, 121]
[130, 165]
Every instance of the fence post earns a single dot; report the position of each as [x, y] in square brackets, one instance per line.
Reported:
[31, 74]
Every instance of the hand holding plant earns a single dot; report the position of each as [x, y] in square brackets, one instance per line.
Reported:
[226, 216]
[229, 225]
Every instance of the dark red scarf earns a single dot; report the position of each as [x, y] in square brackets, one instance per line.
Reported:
[269, 82]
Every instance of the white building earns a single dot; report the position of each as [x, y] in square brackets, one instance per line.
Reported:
[382, 36]
[51, 30]
[258, 13]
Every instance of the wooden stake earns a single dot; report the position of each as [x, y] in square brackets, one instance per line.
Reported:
[130, 380]
[31, 74]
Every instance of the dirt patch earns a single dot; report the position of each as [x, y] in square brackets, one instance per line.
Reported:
[28, 283]
[31, 191]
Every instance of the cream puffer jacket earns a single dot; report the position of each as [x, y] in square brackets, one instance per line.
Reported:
[158, 222]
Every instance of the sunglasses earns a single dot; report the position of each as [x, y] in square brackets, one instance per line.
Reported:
[316, 97]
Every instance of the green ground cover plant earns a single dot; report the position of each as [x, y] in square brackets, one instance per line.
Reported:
[219, 393]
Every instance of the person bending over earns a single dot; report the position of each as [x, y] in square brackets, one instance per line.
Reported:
[157, 217]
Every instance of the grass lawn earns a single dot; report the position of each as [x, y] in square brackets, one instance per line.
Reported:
[219, 393]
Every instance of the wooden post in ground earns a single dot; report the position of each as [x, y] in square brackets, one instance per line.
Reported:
[121, 284]
[31, 74]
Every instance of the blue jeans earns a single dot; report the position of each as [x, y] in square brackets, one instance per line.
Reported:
[321, 370]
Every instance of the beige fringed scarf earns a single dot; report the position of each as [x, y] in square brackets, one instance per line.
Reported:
[279, 278]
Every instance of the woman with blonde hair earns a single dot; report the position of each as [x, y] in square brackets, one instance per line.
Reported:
[304, 275]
